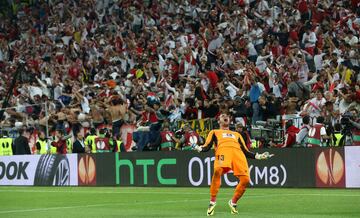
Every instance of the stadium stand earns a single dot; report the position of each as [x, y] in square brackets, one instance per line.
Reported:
[130, 69]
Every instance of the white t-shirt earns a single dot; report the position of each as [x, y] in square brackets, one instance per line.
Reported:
[85, 105]
[315, 106]
[34, 90]
[351, 41]
[277, 90]
[343, 106]
[311, 37]
[303, 73]
[262, 6]
[319, 61]
[57, 92]
[251, 48]
[205, 84]
[261, 62]
[257, 36]
[354, 61]
[261, 87]
[322, 131]
[216, 43]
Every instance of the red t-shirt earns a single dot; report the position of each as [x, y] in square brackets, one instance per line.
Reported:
[303, 6]
[61, 147]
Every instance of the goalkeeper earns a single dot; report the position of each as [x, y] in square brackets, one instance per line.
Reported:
[230, 154]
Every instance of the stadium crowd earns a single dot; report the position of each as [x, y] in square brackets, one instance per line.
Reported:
[153, 63]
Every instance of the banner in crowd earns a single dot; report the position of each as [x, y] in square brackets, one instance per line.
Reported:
[201, 126]
[126, 131]
[39, 170]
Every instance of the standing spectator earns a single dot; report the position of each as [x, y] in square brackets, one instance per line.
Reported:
[119, 145]
[61, 142]
[90, 140]
[79, 144]
[117, 111]
[42, 144]
[21, 143]
[315, 105]
[297, 88]
[302, 136]
[103, 142]
[255, 93]
[6, 144]
[309, 41]
[317, 134]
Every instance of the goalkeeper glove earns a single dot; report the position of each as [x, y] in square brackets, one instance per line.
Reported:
[263, 156]
[196, 147]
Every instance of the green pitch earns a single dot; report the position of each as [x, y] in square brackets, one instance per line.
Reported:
[174, 202]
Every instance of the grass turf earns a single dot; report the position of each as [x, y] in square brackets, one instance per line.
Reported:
[174, 202]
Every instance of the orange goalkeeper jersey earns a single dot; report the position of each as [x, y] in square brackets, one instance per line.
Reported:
[226, 138]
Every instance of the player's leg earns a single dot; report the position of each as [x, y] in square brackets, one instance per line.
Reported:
[240, 168]
[215, 183]
[214, 189]
[239, 191]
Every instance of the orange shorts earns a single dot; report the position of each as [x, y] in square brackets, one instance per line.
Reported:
[231, 159]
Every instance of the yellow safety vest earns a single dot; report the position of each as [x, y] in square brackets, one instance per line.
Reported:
[118, 143]
[254, 144]
[53, 150]
[6, 146]
[338, 137]
[69, 145]
[43, 146]
[90, 141]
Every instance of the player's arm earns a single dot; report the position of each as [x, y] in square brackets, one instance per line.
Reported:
[246, 151]
[210, 140]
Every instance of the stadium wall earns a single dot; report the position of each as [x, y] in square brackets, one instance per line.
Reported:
[294, 167]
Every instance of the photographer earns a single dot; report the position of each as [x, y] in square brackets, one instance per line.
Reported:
[351, 128]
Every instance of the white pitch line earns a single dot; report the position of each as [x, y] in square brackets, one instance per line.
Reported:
[100, 205]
